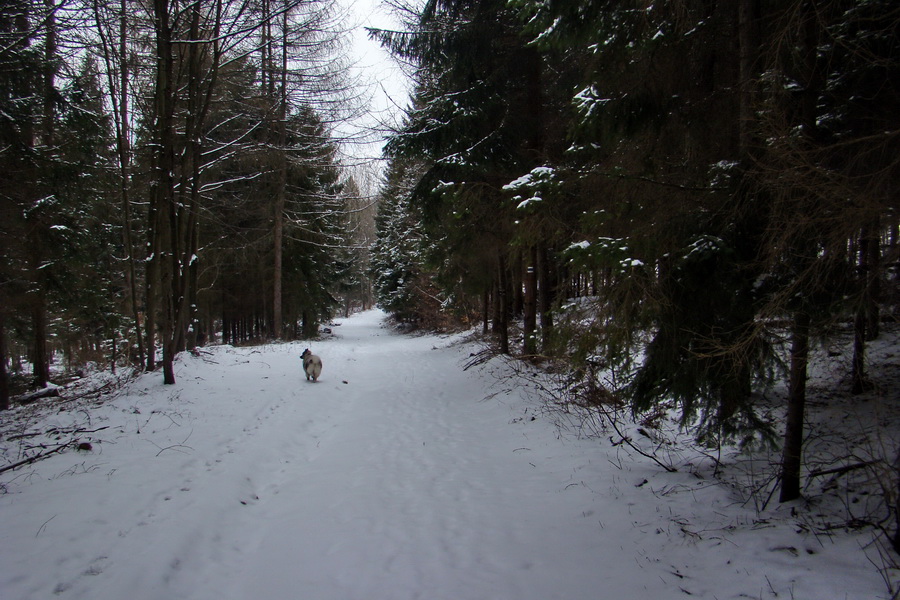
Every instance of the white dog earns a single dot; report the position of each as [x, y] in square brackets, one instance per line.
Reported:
[312, 365]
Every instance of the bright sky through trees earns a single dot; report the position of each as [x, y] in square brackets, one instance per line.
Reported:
[387, 87]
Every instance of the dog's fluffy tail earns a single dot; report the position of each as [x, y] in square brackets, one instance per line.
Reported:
[313, 367]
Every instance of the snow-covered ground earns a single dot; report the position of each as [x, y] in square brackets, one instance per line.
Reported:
[399, 475]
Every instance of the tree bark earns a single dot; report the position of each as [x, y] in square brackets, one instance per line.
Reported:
[38, 227]
[495, 305]
[529, 305]
[486, 305]
[164, 225]
[873, 282]
[547, 285]
[748, 48]
[859, 382]
[793, 438]
[152, 275]
[40, 354]
[793, 433]
[124, 148]
[895, 539]
[503, 309]
[281, 185]
[117, 62]
[4, 375]
[179, 206]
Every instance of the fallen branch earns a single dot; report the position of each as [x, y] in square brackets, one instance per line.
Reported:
[98, 391]
[197, 351]
[49, 392]
[55, 431]
[22, 436]
[34, 458]
[627, 440]
[479, 358]
[843, 469]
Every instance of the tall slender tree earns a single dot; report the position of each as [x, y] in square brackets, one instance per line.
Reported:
[112, 23]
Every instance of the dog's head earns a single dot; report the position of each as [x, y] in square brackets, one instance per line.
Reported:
[305, 353]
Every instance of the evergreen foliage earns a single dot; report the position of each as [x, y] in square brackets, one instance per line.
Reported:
[140, 172]
[399, 272]
[663, 190]
[684, 177]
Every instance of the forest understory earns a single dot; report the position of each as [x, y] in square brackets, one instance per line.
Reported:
[851, 449]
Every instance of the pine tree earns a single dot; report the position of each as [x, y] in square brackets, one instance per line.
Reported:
[399, 271]
[19, 62]
[825, 112]
[477, 124]
[662, 223]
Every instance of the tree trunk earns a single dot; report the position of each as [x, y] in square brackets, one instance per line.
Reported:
[529, 304]
[863, 320]
[152, 277]
[121, 119]
[38, 303]
[793, 433]
[124, 146]
[503, 309]
[895, 539]
[180, 205]
[486, 307]
[37, 229]
[495, 305]
[164, 185]
[859, 382]
[281, 190]
[4, 375]
[748, 48]
[873, 282]
[547, 295]
[515, 275]
[40, 357]
[50, 66]
[813, 82]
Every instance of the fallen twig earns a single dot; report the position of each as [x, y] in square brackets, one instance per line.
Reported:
[99, 391]
[49, 392]
[55, 431]
[43, 525]
[479, 358]
[34, 458]
[626, 440]
[843, 469]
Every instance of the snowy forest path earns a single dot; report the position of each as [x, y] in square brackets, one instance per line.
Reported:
[406, 493]
[392, 477]
[399, 475]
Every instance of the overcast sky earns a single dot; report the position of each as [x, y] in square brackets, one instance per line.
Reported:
[386, 84]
